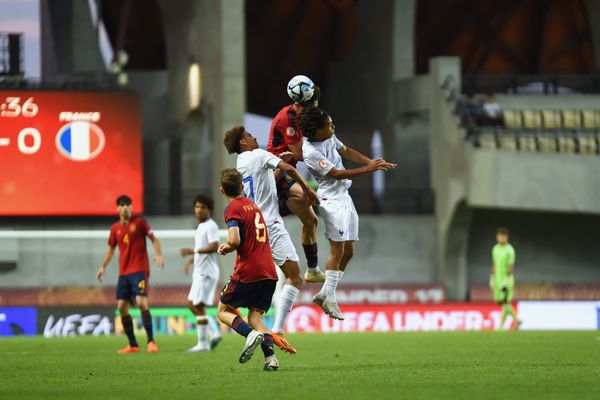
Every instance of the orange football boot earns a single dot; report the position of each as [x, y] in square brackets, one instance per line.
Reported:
[128, 349]
[152, 347]
[282, 343]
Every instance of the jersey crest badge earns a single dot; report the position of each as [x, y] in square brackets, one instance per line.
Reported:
[290, 131]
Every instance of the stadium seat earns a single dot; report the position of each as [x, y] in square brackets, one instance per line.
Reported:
[487, 140]
[551, 119]
[588, 145]
[566, 143]
[546, 143]
[590, 119]
[532, 119]
[526, 142]
[507, 141]
[512, 119]
[571, 119]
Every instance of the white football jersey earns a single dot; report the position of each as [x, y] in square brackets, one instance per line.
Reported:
[257, 167]
[320, 158]
[206, 233]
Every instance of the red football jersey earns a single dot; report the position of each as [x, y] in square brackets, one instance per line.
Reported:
[254, 261]
[131, 239]
[283, 132]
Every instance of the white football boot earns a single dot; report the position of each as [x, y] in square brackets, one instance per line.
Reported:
[253, 340]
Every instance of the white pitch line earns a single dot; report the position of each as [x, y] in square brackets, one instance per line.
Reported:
[4, 141]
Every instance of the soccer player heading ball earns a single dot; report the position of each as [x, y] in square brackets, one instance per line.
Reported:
[285, 138]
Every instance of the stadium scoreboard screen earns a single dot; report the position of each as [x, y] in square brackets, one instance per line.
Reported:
[69, 153]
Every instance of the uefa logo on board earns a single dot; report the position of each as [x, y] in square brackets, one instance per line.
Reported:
[80, 141]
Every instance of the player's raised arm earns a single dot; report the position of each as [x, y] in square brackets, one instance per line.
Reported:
[353, 155]
[105, 261]
[372, 165]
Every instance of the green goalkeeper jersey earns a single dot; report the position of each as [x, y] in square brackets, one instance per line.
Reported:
[502, 256]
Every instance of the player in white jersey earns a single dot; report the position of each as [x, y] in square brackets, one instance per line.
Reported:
[257, 166]
[206, 271]
[323, 153]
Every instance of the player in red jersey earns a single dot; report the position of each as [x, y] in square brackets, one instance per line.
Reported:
[254, 278]
[284, 137]
[132, 287]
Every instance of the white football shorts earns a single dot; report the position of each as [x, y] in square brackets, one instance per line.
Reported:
[282, 247]
[341, 218]
[203, 288]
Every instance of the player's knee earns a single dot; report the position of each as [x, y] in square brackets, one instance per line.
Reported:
[220, 316]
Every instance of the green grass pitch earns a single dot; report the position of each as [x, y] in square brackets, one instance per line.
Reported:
[436, 365]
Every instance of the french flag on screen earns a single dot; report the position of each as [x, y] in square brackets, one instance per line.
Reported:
[80, 141]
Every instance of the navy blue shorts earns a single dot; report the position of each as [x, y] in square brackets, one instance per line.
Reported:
[283, 193]
[132, 285]
[249, 294]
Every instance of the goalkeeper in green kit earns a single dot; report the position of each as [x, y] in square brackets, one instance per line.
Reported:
[502, 280]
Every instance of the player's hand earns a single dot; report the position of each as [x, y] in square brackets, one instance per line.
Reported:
[188, 265]
[375, 164]
[386, 166]
[186, 251]
[312, 197]
[287, 156]
[100, 274]
[158, 259]
[224, 249]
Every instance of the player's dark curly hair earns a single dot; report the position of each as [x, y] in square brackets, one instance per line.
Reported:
[315, 97]
[232, 139]
[310, 119]
[231, 181]
[205, 199]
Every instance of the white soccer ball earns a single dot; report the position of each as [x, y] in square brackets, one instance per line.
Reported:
[300, 88]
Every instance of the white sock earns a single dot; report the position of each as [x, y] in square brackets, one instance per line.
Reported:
[340, 274]
[331, 280]
[313, 270]
[202, 330]
[287, 298]
[213, 330]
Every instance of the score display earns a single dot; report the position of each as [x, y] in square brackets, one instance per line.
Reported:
[69, 153]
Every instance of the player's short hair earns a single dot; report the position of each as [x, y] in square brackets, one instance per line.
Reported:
[205, 199]
[310, 119]
[123, 199]
[232, 139]
[231, 181]
[316, 96]
[502, 231]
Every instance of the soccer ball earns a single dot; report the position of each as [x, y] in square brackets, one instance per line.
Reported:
[300, 88]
